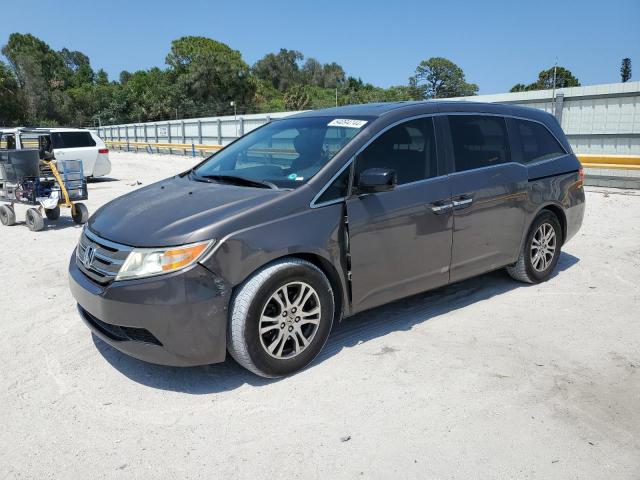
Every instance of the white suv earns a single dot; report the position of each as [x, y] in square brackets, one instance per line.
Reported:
[68, 144]
[84, 145]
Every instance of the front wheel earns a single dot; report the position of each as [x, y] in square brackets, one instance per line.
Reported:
[540, 251]
[281, 318]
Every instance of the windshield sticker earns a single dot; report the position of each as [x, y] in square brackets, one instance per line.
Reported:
[347, 123]
[296, 177]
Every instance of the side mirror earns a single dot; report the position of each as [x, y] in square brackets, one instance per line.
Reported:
[375, 180]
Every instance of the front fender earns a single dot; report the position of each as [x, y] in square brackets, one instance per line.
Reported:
[317, 232]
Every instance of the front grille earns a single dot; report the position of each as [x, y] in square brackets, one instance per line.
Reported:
[104, 260]
[121, 333]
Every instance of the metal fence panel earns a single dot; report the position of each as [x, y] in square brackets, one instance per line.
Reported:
[600, 119]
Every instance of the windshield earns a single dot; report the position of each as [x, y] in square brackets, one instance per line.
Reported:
[285, 153]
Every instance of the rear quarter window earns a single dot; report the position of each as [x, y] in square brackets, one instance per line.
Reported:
[537, 142]
[72, 140]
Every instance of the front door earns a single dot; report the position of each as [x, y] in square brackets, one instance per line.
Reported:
[488, 196]
[400, 241]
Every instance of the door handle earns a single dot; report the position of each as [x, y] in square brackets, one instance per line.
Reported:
[441, 207]
[462, 203]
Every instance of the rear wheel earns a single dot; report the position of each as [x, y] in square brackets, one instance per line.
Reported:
[281, 318]
[80, 214]
[7, 215]
[34, 220]
[52, 213]
[540, 251]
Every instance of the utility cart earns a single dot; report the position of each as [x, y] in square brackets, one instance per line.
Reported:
[30, 175]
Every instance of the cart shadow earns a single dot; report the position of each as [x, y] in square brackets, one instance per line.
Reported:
[49, 225]
[354, 331]
[60, 224]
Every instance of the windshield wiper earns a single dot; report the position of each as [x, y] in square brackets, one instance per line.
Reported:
[238, 180]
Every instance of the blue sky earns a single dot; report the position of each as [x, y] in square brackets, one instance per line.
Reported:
[497, 43]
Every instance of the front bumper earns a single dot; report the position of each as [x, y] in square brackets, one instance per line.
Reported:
[178, 319]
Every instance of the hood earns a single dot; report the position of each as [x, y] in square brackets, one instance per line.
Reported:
[174, 211]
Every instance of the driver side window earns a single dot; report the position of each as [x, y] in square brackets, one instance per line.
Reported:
[408, 148]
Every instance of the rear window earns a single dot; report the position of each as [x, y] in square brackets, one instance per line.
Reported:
[537, 142]
[478, 141]
[72, 140]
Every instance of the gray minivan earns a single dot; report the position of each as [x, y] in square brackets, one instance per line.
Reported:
[260, 248]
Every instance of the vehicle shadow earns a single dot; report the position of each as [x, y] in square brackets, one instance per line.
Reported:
[356, 330]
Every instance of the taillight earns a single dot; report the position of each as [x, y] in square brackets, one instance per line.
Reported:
[581, 175]
[103, 150]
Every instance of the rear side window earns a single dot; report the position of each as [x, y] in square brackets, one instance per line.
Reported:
[537, 142]
[478, 141]
[72, 140]
[408, 148]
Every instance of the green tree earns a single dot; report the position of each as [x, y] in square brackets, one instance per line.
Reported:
[625, 70]
[11, 100]
[282, 69]
[77, 70]
[333, 75]
[297, 97]
[151, 95]
[564, 78]
[268, 98]
[439, 77]
[312, 73]
[210, 73]
[38, 70]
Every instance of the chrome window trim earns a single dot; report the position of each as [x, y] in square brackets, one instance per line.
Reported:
[486, 167]
[517, 117]
[312, 204]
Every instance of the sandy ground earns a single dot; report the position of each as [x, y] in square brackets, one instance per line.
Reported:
[483, 379]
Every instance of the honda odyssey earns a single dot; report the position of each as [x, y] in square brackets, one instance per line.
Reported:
[309, 219]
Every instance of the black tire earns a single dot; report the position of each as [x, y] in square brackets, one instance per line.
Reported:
[80, 214]
[52, 213]
[34, 220]
[7, 215]
[524, 269]
[248, 346]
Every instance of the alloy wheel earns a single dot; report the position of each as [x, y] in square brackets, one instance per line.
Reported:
[289, 320]
[543, 247]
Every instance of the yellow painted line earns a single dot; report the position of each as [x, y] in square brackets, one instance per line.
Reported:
[614, 162]
[611, 166]
[177, 146]
[590, 159]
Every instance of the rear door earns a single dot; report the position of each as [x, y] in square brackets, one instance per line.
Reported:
[488, 193]
[400, 241]
[78, 145]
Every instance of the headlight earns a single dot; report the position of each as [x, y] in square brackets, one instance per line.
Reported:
[147, 262]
